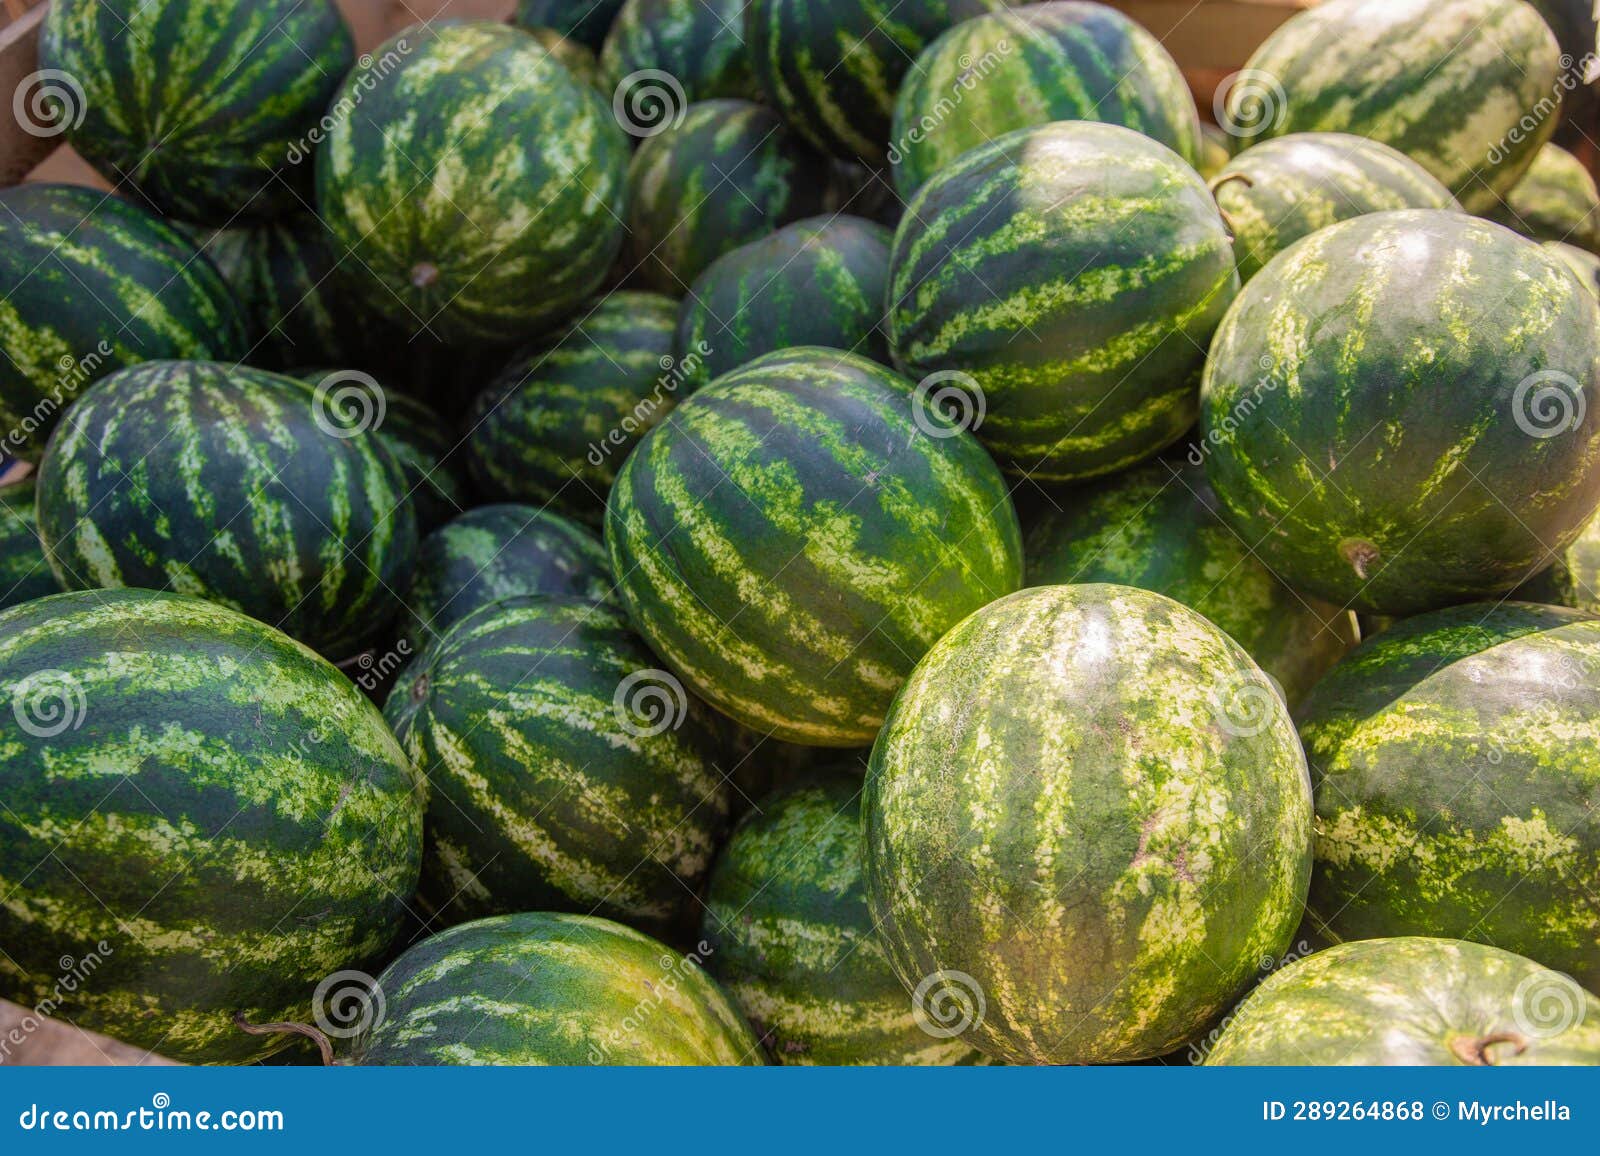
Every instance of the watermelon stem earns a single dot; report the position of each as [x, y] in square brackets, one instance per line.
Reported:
[1475, 1049]
[324, 1044]
[1216, 183]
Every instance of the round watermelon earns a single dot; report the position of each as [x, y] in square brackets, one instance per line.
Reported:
[213, 810]
[799, 533]
[1156, 527]
[727, 173]
[1466, 88]
[1280, 190]
[698, 44]
[1087, 821]
[513, 180]
[821, 281]
[208, 110]
[567, 770]
[1069, 277]
[556, 424]
[89, 284]
[24, 572]
[1401, 411]
[1556, 200]
[1413, 1002]
[585, 21]
[232, 484]
[1013, 69]
[1453, 757]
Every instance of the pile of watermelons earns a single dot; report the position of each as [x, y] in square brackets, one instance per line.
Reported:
[865, 553]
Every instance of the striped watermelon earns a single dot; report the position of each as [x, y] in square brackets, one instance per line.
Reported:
[728, 174]
[821, 281]
[698, 43]
[513, 179]
[1469, 89]
[206, 109]
[1156, 527]
[1581, 261]
[231, 484]
[567, 771]
[793, 942]
[497, 552]
[585, 21]
[555, 426]
[1413, 1002]
[1556, 200]
[544, 989]
[1280, 190]
[214, 806]
[24, 573]
[1454, 760]
[580, 60]
[88, 284]
[1073, 273]
[1401, 411]
[799, 532]
[1008, 70]
[1151, 880]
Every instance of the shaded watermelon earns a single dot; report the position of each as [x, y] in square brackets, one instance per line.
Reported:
[698, 43]
[212, 808]
[1581, 261]
[1216, 150]
[1556, 200]
[580, 60]
[24, 573]
[585, 21]
[1573, 579]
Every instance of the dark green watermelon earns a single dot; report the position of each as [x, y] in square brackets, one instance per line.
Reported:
[24, 573]
[567, 770]
[213, 811]
[208, 110]
[1573, 579]
[1556, 200]
[232, 484]
[699, 44]
[821, 281]
[1453, 757]
[585, 21]
[581, 61]
[1402, 411]
[89, 284]
[541, 989]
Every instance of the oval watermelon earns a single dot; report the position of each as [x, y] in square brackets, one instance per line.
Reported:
[1105, 769]
[798, 534]
[1401, 411]
[212, 804]
[1073, 273]
[585, 21]
[699, 44]
[1556, 200]
[24, 572]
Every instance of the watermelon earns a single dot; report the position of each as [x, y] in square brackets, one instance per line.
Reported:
[1278, 191]
[497, 552]
[514, 179]
[207, 110]
[799, 532]
[89, 284]
[1401, 411]
[820, 281]
[1008, 70]
[1556, 200]
[1581, 261]
[24, 573]
[580, 60]
[793, 943]
[585, 21]
[1156, 527]
[545, 989]
[1070, 276]
[1453, 757]
[554, 427]
[1469, 89]
[567, 771]
[1216, 150]
[699, 44]
[1107, 773]
[216, 807]
[1573, 579]
[862, 192]
[727, 174]
[1412, 1001]
[232, 484]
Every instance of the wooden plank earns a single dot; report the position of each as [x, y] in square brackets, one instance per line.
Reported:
[27, 1040]
[20, 150]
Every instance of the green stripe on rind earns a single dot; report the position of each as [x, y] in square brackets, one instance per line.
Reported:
[1156, 528]
[1060, 809]
[699, 43]
[514, 178]
[1280, 190]
[821, 281]
[554, 428]
[533, 720]
[585, 21]
[220, 482]
[790, 540]
[794, 944]
[1015, 69]
[24, 573]
[1372, 407]
[90, 283]
[1076, 272]
[207, 108]
[728, 173]
[542, 989]
[218, 805]
[1469, 89]
[1556, 200]
[1455, 760]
